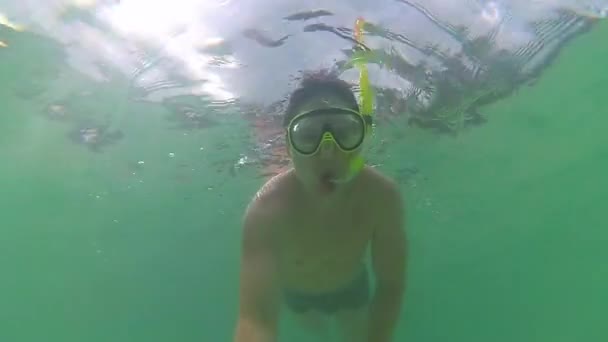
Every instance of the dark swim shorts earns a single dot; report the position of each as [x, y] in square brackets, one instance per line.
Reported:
[353, 296]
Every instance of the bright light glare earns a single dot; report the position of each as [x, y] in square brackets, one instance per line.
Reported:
[148, 19]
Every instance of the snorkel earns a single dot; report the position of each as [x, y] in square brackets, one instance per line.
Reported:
[366, 103]
[365, 97]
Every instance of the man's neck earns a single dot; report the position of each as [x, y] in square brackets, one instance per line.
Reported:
[329, 201]
[326, 201]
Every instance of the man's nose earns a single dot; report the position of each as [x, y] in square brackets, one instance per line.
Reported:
[327, 150]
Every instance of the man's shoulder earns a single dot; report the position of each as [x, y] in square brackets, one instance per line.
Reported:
[267, 204]
[275, 189]
[382, 194]
[379, 184]
[384, 200]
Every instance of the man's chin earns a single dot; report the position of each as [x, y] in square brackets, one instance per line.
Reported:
[329, 182]
[327, 185]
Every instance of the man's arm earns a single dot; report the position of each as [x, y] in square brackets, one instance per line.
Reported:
[258, 307]
[389, 262]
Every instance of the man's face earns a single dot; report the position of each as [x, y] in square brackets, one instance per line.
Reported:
[329, 163]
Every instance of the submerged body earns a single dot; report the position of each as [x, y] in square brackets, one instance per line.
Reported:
[308, 231]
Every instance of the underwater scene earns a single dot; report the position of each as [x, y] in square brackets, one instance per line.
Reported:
[134, 134]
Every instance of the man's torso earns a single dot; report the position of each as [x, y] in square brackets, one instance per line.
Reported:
[319, 251]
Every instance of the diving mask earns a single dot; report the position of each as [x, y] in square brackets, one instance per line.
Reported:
[344, 127]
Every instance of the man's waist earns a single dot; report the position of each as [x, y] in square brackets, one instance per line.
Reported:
[325, 286]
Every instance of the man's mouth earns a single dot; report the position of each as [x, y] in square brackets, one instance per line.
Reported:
[333, 177]
[327, 181]
[326, 176]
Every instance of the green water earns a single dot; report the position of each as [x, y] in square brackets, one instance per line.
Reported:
[507, 222]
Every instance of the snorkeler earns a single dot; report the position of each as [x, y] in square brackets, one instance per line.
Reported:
[308, 229]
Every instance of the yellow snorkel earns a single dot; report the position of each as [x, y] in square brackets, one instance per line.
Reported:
[365, 97]
[366, 103]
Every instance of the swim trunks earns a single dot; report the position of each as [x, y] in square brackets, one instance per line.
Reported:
[353, 296]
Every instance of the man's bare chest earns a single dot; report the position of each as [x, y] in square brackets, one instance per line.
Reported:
[318, 240]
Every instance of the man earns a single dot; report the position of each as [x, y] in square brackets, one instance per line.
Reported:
[307, 230]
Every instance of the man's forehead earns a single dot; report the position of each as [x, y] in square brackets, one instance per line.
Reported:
[326, 101]
[322, 101]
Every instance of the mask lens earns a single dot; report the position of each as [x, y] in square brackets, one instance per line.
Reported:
[347, 129]
[306, 135]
